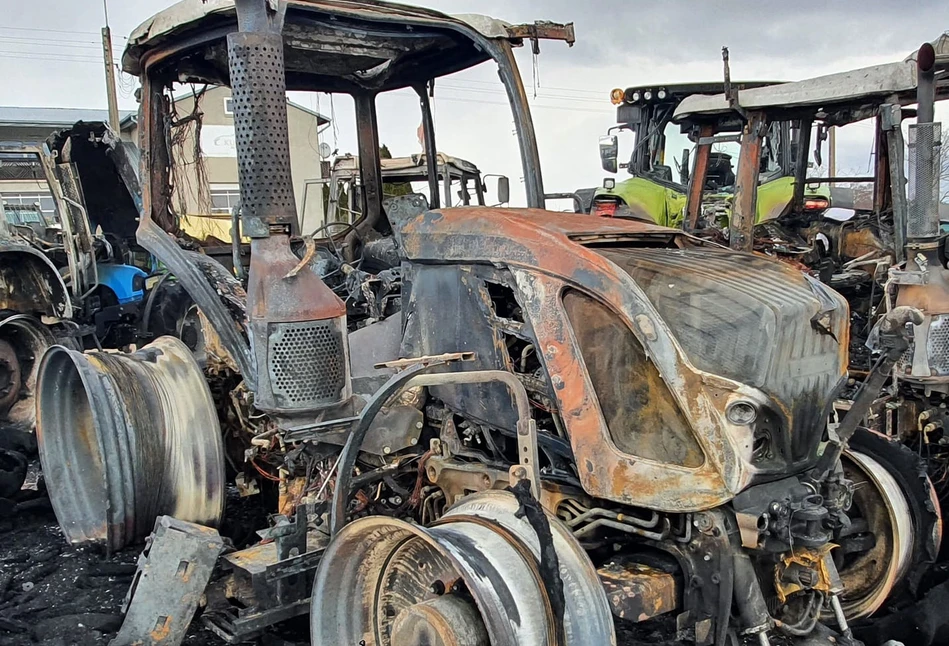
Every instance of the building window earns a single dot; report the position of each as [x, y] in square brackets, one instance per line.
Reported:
[223, 200]
[228, 107]
[45, 200]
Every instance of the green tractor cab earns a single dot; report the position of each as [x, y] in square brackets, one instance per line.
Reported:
[657, 191]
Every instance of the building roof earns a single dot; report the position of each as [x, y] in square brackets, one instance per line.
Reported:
[53, 117]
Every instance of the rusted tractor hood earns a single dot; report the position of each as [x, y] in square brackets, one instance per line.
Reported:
[720, 326]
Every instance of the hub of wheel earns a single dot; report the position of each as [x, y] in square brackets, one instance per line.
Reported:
[447, 620]
[472, 579]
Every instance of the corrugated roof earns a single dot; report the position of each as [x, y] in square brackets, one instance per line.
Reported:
[56, 117]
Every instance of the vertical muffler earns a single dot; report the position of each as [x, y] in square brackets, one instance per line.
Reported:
[297, 325]
[924, 284]
[125, 438]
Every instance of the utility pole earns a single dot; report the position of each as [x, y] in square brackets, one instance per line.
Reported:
[110, 73]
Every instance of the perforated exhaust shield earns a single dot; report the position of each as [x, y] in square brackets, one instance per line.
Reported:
[922, 221]
[297, 324]
[307, 363]
[258, 88]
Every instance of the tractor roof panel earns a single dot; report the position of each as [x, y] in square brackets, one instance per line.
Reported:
[341, 45]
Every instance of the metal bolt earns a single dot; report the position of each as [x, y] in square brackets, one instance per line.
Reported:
[386, 450]
[418, 424]
[413, 440]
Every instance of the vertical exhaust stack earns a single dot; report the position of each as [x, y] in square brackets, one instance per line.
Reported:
[925, 282]
[924, 144]
[297, 324]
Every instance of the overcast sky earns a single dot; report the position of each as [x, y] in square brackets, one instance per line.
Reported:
[50, 56]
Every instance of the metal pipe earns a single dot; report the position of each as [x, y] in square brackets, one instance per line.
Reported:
[752, 607]
[925, 84]
[623, 527]
[599, 511]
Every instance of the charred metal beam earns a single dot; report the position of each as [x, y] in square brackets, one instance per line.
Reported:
[367, 134]
[431, 150]
[742, 224]
[545, 30]
[697, 183]
[517, 96]
[882, 188]
[891, 117]
[800, 164]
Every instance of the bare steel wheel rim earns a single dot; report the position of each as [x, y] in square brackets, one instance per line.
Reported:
[870, 576]
[471, 580]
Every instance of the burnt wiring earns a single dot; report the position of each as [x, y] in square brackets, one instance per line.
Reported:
[180, 131]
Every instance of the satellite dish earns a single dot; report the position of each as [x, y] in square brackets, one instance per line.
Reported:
[325, 150]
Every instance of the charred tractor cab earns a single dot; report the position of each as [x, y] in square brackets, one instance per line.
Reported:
[657, 192]
[884, 252]
[562, 432]
[459, 182]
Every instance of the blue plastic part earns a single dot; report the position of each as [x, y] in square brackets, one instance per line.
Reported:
[121, 280]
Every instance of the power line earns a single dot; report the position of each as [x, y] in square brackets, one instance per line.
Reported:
[598, 93]
[539, 96]
[48, 58]
[46, 43]
[79, 44]
[533, 106]
[56, 31]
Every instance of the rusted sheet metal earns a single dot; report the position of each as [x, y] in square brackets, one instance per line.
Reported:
[540, 250]
[637, 592]
[544, 29]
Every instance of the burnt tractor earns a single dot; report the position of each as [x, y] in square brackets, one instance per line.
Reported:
[572, 428]
[883, 250]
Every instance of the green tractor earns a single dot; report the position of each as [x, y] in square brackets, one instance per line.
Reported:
[657, 192]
